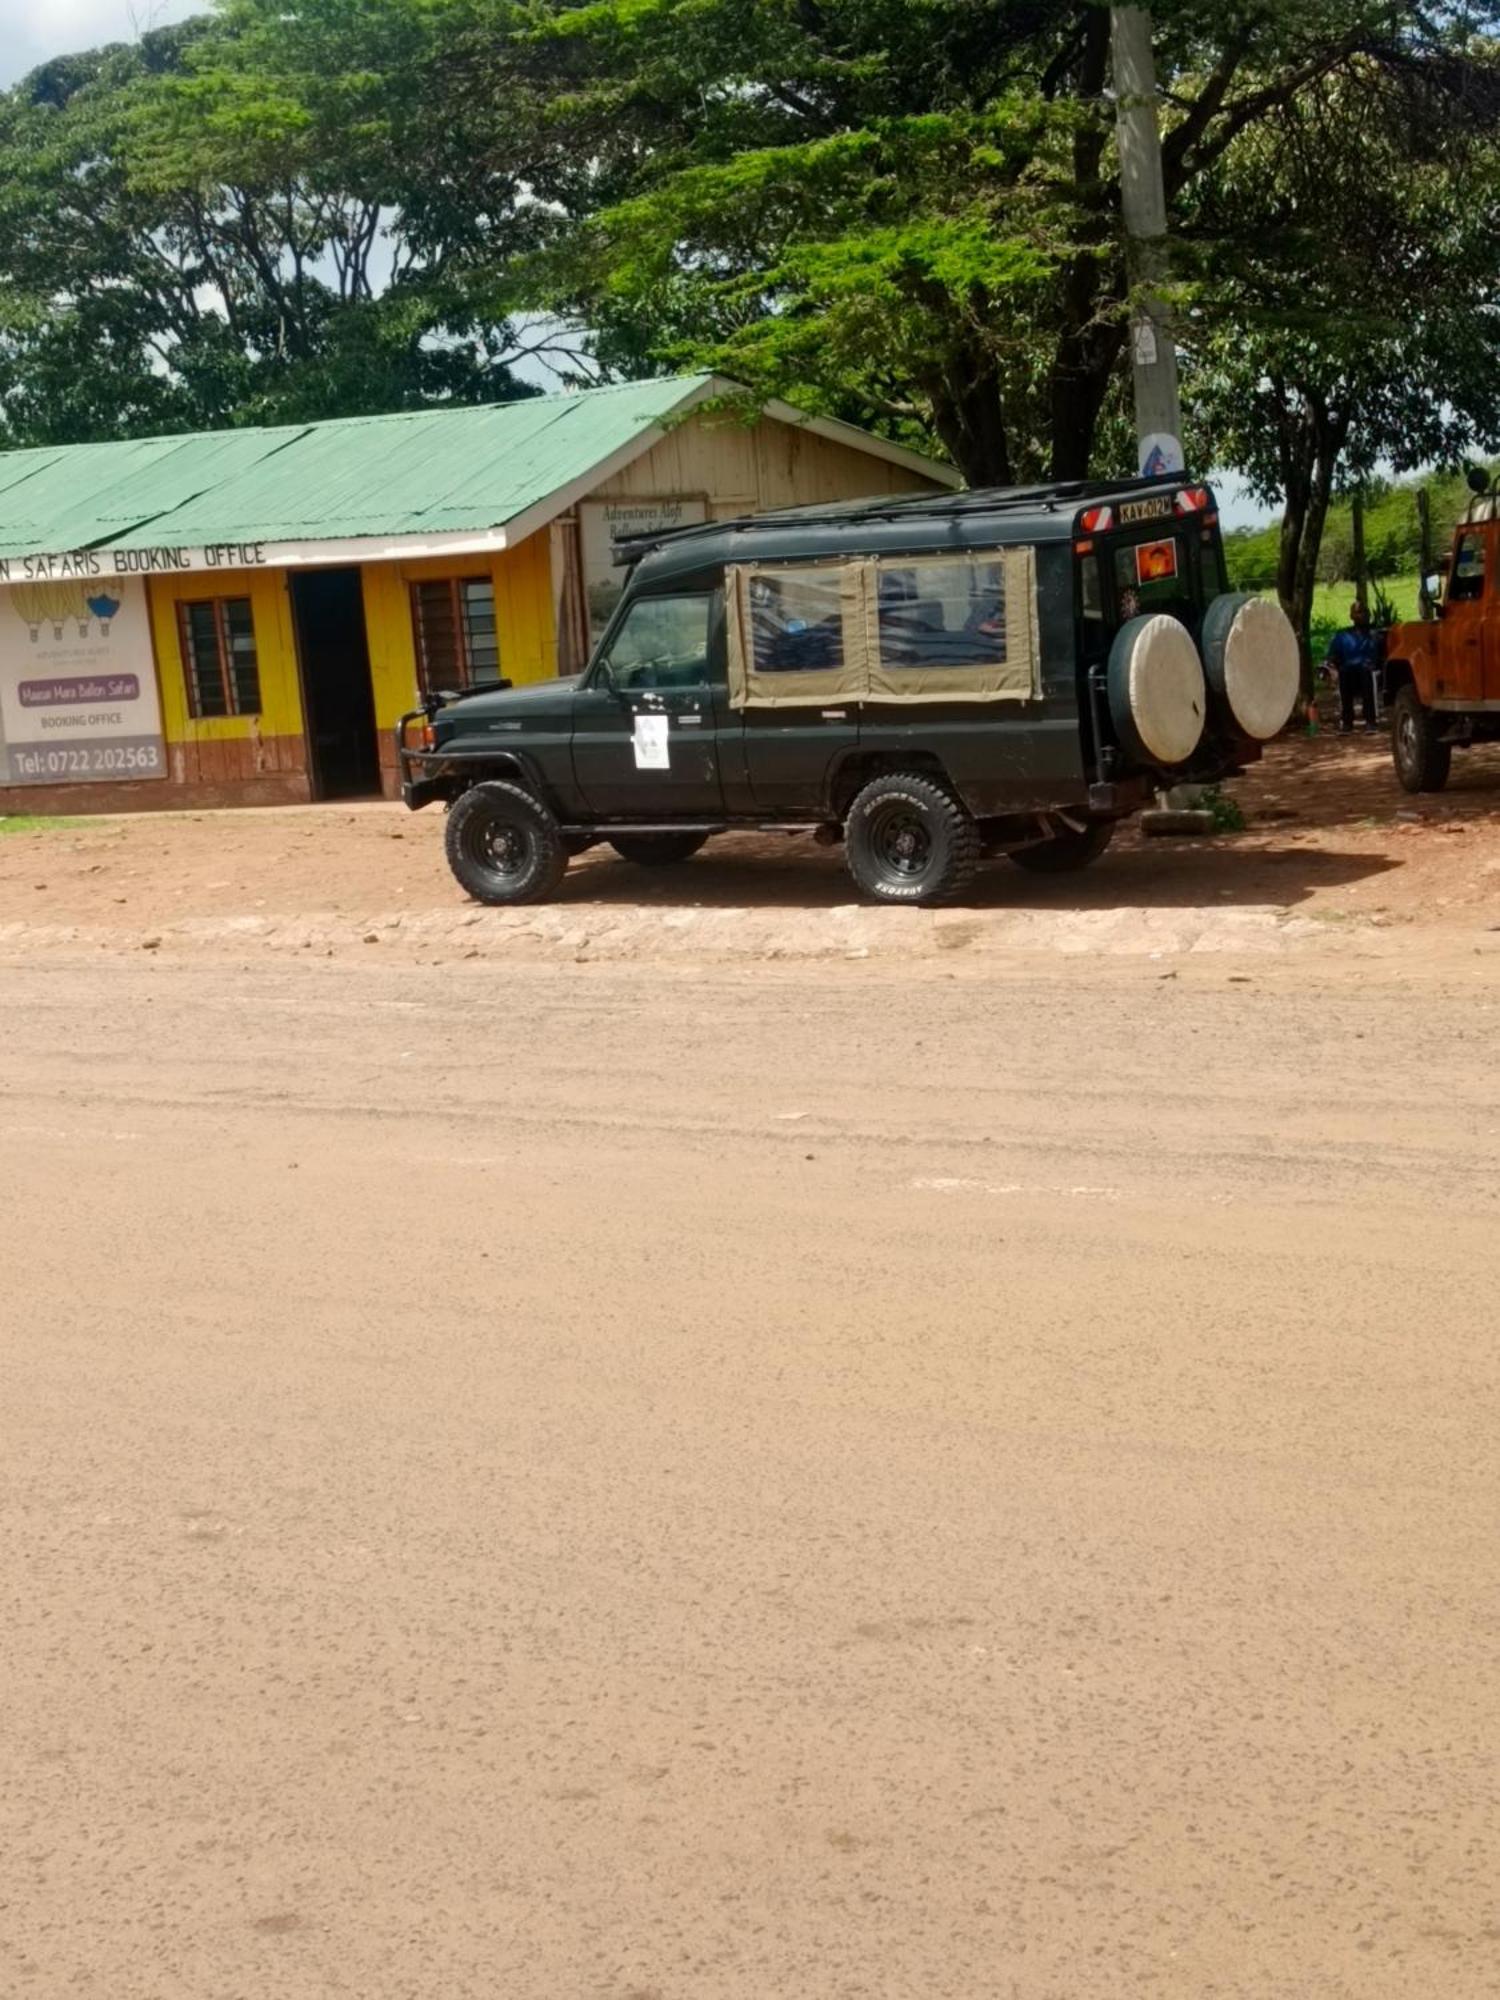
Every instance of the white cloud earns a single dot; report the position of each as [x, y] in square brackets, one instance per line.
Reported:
[32, 33]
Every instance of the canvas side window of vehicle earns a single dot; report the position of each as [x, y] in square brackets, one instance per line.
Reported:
[906, 628]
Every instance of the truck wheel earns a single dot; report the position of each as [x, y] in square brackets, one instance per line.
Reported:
[657, 850]
[1064, 853]
[1422, 762]
[908, 840]
[503, 844]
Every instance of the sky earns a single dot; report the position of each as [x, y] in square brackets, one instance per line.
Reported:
[33, 30]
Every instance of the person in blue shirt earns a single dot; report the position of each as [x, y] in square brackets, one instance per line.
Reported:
[1354, 656]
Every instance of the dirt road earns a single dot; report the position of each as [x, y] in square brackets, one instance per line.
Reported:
[776, 1483]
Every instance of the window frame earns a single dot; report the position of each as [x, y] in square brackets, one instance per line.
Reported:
[188, 654]
[464, 663]
[864, 677]
[909, 674]
[1466, 533]
[601, 670]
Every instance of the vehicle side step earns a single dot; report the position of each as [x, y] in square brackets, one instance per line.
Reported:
[603, 829]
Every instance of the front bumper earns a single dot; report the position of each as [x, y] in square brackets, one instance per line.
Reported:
[417, 763]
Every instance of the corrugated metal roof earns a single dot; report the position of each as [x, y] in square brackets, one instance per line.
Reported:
[420, 472]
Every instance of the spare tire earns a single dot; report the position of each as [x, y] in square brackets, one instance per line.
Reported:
[1157, 693]
[1253, 666]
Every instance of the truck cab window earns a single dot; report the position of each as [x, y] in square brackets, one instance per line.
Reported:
[1466, 579]
[663, 643]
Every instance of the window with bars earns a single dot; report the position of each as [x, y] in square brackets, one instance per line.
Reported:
[454, 620]
[218, 656]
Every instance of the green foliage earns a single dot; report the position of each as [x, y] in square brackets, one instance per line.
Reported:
[909, 213]
[1223, 810]
[255, 216]
[1346, 311]
[1393, 536]
[902, 212]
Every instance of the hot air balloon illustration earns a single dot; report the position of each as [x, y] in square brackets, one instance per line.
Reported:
[30, 603]
[63, 601]
[104, 608]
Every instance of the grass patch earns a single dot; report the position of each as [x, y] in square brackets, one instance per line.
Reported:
[33, 823]
[1331, 601]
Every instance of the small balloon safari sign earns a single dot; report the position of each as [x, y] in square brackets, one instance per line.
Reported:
[78, 695]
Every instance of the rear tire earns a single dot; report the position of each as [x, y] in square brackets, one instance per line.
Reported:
[908, 840]
[657, 850]
[503, 845]
[1065, 853]
[1422, 762]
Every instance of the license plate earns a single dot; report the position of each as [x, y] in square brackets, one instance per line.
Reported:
[1157, 508]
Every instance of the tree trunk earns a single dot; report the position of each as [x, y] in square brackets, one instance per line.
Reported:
[1361, 573]
[1093, 281]
[969, 416]
[1080, 382]
[1311, 445]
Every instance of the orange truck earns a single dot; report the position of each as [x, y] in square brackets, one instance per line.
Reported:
[1442, 674]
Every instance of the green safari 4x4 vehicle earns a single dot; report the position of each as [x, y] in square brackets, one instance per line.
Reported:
[932, 681]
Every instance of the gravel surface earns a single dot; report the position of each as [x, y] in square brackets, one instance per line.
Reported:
[962, 1473]
[1332, 851]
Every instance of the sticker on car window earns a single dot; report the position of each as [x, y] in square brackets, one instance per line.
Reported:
[1155, 562]
[653, 749]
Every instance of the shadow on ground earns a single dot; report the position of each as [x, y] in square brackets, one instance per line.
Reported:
[770, 871]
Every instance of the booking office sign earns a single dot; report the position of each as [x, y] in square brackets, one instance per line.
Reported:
[78, 695]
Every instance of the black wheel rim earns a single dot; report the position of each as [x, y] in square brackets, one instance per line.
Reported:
[499, 844]
[901, 842]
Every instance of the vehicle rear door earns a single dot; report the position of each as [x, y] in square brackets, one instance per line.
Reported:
[645, 721]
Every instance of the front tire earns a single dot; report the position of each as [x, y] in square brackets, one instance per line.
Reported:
[1066, 852]
[503, 845]
[657, 850]
[1422, 762]
[908, 840]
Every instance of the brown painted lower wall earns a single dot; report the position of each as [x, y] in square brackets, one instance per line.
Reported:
[390, 770]
[268, 771]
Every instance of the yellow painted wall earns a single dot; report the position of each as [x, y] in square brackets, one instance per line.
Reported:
[275, 653]
[523, 619]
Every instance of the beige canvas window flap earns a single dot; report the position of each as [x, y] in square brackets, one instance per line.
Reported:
[796, 634]
[957, 627]
[902, 629]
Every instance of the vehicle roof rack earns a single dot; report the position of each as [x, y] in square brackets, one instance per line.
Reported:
[1046, 498]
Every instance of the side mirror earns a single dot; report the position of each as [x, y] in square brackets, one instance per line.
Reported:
[1432, 587]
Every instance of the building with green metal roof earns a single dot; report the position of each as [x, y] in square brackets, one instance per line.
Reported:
[277, 598]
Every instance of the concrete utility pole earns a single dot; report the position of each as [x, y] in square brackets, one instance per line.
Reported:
[1158, 413]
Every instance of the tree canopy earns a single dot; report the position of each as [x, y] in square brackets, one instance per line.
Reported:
[245, 218]
[903, 212]
[910, 212]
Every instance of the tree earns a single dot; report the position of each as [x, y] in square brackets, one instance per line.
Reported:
[901, 210]
[253, 217]
[1352, 313]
